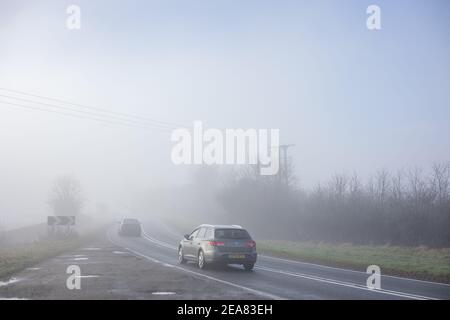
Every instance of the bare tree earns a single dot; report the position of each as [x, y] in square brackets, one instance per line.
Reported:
[418, 190]
[398, 189]
[355, 186]
[382, 185]
[338, 185]
[407, 208]
[66, 197]
[441, 182]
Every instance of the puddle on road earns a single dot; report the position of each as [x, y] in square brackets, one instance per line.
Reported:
[80, 259]
[163, 293]
[120, 252]
[33, 269]
[14, 298]
[10, 281]
[91, 249]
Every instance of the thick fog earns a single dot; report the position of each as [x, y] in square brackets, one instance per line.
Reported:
[351, 100]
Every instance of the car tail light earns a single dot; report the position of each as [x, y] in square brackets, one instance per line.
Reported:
[216, 243]
[251, 244]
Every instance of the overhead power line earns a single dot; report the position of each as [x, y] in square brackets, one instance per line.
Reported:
[96, 114]
[103, 112]
[15, 105]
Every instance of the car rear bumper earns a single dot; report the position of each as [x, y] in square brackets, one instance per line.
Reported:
[230, 258]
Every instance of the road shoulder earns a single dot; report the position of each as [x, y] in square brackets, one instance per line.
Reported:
[111, 272]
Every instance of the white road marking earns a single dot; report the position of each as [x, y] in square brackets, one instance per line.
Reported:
[316, 278]
[163, 293]
[167, 265]
[161, 243]
[254, 291]
[349, 270]
[10, 281]
[327, 267]
[347, 284]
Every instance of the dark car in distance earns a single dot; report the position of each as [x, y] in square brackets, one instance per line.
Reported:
[223, 244]
[130, 227]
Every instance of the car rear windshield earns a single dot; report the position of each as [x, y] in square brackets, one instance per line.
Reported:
[231, 234]
[131, 221]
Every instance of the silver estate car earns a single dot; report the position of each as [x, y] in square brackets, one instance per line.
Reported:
[225, 244]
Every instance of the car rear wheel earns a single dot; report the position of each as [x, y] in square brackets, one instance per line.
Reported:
[249, 266]
[181, 258]
[201, 260]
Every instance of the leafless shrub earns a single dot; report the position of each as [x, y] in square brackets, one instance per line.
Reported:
[410, 207]
[66, 197]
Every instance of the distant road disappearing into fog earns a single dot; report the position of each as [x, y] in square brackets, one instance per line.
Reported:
[276, 278]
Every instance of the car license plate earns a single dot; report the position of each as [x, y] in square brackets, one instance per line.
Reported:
[236, 256]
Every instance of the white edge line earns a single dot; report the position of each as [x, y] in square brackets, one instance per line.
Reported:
[350, 270]
[254, 291]
[336, 268]
[161, 243]
[316, 278]
[348, 284]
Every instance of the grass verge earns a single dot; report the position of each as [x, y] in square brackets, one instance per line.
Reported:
[416, 262]
[17, 258]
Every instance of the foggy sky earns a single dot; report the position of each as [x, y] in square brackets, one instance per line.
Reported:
[349, 98]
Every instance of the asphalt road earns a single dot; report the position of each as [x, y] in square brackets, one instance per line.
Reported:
[276, 278]
[108, 272]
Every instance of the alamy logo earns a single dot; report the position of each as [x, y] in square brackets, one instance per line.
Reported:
[374, 280]
[229, 146]
[74, 280]
[374, 20]
[73, 21]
